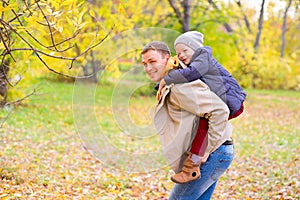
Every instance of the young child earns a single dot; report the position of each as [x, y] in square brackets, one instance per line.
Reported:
[200, 64]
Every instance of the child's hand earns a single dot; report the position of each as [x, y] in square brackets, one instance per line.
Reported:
[162, 84]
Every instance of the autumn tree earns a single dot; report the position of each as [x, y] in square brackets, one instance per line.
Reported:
[63, 36]
[55, 35]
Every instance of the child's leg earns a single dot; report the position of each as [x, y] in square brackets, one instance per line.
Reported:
[237, 113]
[200, 141]
[191, 168]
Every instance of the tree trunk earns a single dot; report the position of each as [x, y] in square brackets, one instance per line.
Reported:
[85, 70]
[260, 25]
[3, 82]
[185, 18]
[284, 29]
[91, 69]
[186, 4]
[95, 67]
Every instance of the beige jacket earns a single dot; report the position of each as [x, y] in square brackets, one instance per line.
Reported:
[177, 116]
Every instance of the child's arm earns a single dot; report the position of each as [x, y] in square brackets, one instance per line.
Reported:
[197, 68]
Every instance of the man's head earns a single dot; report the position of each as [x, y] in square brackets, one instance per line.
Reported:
[155, 56]
[186, 45]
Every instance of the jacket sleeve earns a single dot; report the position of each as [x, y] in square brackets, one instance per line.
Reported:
[197, 68]
[196, 98]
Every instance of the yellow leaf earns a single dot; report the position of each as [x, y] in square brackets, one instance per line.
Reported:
[121, 8]
[82, 25]
[9, 7]
[92, 13]
[2, 9]
[67, 2]
[26, 54]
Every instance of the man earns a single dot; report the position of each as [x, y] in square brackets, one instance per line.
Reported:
[176, 119]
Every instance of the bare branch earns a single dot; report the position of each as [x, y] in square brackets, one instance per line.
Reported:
[247, 23]
[38, 52]
[6, 117]
[8, 29]
[49, 26]
[65, 40]
[207, 21]
[176, 10]
[52, 46]
[5, 45]
[98, 43]
[41, 52]
[225, 24]
[27, 8]
[39, 57]
[22, 99]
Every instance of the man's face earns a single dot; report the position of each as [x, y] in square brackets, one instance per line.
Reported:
[154, 64]
[184, 53]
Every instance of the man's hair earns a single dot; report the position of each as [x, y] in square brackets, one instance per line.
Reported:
[157, 46]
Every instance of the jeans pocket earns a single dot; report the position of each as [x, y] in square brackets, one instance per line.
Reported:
[221, 167]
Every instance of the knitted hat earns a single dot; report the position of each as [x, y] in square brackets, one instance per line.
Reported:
[192, 39]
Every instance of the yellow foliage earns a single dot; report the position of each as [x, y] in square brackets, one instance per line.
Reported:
[113, 70]
[8, 8]
[121, 9]
[90, 22]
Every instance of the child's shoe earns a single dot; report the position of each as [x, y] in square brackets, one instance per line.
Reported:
[190, 172]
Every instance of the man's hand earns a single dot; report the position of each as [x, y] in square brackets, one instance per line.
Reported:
[162, 84]
[204, 158]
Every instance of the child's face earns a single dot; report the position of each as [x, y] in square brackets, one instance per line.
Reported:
[184, 53]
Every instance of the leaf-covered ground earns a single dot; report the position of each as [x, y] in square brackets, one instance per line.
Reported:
[42, 156]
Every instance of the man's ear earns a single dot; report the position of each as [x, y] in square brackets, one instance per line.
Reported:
[167, 56]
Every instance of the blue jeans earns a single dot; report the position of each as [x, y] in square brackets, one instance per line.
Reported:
[211, 170]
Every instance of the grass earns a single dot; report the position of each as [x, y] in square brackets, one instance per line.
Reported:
[42, 155]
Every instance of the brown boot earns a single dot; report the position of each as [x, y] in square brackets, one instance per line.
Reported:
[190, 171]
